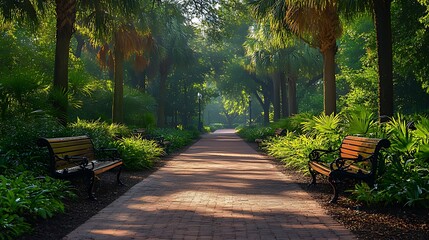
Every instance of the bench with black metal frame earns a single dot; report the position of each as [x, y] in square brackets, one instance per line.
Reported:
[76, 157]
[357, 158]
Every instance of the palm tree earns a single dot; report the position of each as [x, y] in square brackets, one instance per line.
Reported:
[266, 60]
[171, 43]
[26, 11]
[259, 65]
[317, 25]
[95, 14]
[126, 42]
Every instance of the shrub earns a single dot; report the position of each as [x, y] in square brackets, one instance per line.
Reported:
[137, 153]
[293, 150]
[251, 133]
[18, 141]
[178, 138]
[102, 134]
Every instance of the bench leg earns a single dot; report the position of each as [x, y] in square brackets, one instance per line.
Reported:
[313, 177]
[118, 177]
[91, 181]
[334, 188]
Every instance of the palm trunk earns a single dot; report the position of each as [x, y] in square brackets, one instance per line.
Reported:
[118, 94]
[162, 95]
[329, 87]
[285, 102]
[293, 106]
[66, 17]
[79, 46]
[384, 49]
[276, 95]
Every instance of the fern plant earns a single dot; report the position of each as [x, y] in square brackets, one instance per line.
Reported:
[359, 120]
[401, 138]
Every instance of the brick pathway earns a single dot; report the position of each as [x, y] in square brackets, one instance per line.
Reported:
[220, 188]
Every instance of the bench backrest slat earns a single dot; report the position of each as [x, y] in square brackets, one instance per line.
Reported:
[354, 147]
[79, 146]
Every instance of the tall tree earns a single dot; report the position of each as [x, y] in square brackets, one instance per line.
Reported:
[171, 41]
[95, 14]
[66, 17]
[381, 10]
[317, 24]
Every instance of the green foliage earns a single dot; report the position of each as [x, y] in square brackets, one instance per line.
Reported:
[216, 126]
[101, 133]
[360, 120]
[405, 178]
[23, 73]
[294, 123]
[365, 194]
[25, 198]
[251, 133]
[138, 153]
[402, 139]
[18, 141]
[324, 125]
[293, 150]
[177, 138]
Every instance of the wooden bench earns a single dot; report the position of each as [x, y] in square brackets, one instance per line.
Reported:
[357, 160]
[143, 133]
[76, 156]
[277, 133]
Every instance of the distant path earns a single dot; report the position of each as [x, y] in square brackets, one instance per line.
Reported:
[220, 188]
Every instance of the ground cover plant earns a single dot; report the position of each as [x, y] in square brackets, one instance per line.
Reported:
[25, 197]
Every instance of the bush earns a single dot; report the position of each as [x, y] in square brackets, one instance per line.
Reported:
[18, 141]
[137, 153]
[293, 150]
[25, 198]
[251, 133]
[177, 138]
[102, 134]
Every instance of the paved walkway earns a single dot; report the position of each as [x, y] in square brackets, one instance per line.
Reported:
[220, 188]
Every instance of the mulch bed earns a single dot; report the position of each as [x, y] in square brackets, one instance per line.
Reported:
[366, 223]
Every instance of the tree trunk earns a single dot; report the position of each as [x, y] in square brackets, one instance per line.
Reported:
[162, 94]
[329, 87]
[141, 80]
[293, 106]
[384, 49]
[118, 94]
[66, 17]
[79, 46]
[284, 90]
[276, 95]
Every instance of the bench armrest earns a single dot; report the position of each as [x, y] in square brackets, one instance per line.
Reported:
[316, 154]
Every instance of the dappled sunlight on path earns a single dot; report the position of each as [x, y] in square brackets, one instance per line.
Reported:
[220, 188]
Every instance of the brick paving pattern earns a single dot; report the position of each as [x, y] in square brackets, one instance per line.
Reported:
[220, 188]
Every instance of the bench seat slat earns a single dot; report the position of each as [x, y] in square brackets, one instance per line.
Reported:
[320, 168]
